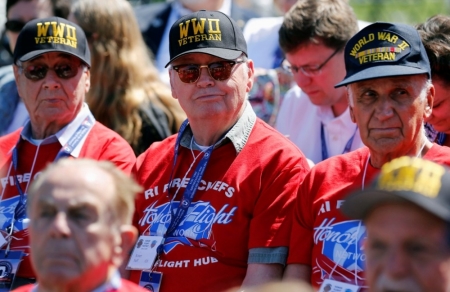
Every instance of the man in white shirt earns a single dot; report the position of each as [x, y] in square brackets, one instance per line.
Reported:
[315, 115]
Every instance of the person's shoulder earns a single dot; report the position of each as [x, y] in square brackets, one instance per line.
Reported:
[439, 154]
[147, 13]
[101, 133]
[8, 141]
[27, 288]
[157, 149]
[344, 162]
[128, 286]
[6, 75]
[262, 27]
[264, 135]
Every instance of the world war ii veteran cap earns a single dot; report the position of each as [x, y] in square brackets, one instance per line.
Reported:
[411, 179]
[209, 32]
[53, 34]
[384, 49]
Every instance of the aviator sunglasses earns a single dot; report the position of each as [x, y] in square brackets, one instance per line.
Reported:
[14, 25]
[63, 71]
[219, 71]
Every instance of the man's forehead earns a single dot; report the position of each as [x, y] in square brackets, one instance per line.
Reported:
[196, 57]
[52, 56]
[406, 80]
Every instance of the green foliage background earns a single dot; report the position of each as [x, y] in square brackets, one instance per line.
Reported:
[405, 11]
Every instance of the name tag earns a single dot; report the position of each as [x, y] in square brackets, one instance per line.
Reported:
[145, 252]
[336, 286]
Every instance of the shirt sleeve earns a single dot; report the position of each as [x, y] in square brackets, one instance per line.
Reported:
[301, 241]
[275, 203]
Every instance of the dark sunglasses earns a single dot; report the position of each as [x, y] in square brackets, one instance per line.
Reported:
[219, 71]
[14, 25]
[63, 71]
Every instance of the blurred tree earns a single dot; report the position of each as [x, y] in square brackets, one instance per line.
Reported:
[406, 11]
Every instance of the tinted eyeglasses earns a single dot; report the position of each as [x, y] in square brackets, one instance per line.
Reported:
[308, 70]
[219, 71]
[14, 25]
[63, 71]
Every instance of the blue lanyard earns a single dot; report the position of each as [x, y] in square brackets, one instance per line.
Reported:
[347, 148]
[66, 150]
[192, 186]
[440, 139]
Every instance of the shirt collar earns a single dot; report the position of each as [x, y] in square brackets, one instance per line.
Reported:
[63, 135]
[326, 115]
[238, 134]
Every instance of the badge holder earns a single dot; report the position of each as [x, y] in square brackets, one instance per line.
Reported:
[9, 263]
[150, 280]
[329, 285]
[145, 252]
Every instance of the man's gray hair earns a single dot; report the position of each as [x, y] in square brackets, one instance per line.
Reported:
[125, 187]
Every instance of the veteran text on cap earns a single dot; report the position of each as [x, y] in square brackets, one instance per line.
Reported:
[383, 50]
[53, 34]
[209, 32]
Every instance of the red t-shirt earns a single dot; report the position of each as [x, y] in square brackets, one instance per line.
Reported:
[100, 144]
[239, 205]
[321, 236]
[126, 286]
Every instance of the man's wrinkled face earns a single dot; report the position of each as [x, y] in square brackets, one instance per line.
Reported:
[390, 111]
[53, 98]
[406, 250]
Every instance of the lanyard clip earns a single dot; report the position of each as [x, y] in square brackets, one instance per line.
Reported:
[10, 231]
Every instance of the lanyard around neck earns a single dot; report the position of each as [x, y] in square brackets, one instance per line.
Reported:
[347, 147]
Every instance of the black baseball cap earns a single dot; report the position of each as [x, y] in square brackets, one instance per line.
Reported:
[209, 32]
[384, 49]
[411, 179]
[53, 34]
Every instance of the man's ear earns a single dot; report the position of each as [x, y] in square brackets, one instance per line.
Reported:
[174, 95]
[17, 78]
[251, 75]
[88, 80]
[126, 241]
[352, 114]
[429, 102]
[129, 236]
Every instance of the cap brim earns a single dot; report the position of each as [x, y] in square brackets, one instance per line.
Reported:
[359, 204]
[380, 72]
[226, 54]
[34, 54]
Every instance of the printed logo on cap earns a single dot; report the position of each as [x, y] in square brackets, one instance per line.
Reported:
[408, 174]
[56, 33]
[382, 46]
[198, 30]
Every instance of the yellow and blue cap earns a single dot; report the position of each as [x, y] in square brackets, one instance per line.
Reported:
[384, 49]
[53, 34]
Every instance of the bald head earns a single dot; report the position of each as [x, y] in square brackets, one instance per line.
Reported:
[80, 223]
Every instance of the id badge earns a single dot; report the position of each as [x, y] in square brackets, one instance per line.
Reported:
[8, 268]
[329, 285]
[144, 252]
[150, 281]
